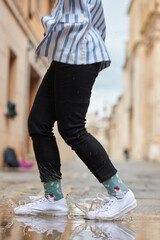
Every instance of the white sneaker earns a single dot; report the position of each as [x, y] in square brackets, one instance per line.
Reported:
[112, 230]
[42, 205]
[43, 225]
[112, 208]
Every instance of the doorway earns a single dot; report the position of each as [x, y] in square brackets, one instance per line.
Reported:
[34, 81]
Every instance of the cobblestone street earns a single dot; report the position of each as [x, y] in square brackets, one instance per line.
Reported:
[142, 177]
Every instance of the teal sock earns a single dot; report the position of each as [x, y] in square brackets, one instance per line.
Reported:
[53, 190]
[115, 187]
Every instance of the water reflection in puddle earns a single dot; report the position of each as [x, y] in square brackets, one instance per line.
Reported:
[75, 227]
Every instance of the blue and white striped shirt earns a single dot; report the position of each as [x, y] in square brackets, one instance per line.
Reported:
[75, 33]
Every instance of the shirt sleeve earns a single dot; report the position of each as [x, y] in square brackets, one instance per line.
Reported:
[49, 21]
[98, 19]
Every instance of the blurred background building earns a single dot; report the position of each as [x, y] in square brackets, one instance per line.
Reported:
[135, 120]
[98, 127]
[20, 72]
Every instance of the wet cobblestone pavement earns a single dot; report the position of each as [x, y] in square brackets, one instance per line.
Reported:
[141, 224]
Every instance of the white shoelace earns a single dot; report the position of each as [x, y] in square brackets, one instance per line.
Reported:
[105, 202]
[35, 200]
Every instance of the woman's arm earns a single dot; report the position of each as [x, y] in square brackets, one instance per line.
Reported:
[49, 21]
[53, 2]
[98, 19]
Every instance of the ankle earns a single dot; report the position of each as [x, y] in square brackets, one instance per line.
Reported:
[53, 190]
[53, 197]
[115, 187]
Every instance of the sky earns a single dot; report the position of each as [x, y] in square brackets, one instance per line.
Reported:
[109, 83]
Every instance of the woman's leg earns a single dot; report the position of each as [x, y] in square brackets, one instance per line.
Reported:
[40, 123]
[73, 85]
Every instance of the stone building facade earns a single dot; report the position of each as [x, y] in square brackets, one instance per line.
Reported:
[20, 72]
[135, 121]
[98, 127]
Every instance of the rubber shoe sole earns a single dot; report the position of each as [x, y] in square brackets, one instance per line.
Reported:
[126, 210]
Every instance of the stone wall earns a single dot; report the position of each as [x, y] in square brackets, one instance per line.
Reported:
[139, 112]
[21, 72]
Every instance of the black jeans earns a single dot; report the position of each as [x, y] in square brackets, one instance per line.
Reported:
[64, 96]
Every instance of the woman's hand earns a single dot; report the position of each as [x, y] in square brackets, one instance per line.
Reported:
[53, 2]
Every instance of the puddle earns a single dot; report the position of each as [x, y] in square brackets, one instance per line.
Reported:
[75, 227]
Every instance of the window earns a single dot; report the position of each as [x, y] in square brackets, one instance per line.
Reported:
[29, 9]
[11, 111]
[34, 81]
[12, 76]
